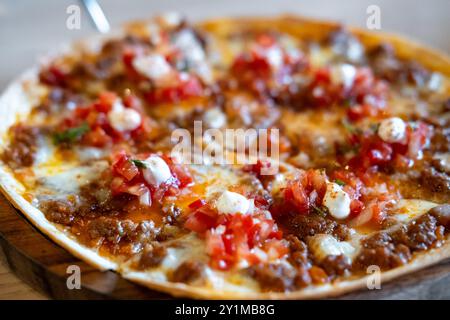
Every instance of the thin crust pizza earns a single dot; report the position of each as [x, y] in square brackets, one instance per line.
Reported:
[357, 179]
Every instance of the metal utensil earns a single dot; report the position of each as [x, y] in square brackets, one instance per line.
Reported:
[97, 15]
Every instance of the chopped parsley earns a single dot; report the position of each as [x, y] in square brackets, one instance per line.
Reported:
[374, 127]
[70, 135]
[348, 102]
[349, 127]
[339, 182]
[319, 211]
[347, 148]
[139, 163]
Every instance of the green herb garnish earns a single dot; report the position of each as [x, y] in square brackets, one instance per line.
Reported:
[374, 127]
[348, 102]
[139, 163]
[349, 127]
[347, 148]
[319, 210]
[70, 135]
[339, 182]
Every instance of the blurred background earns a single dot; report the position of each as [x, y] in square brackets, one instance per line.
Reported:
[30, 28]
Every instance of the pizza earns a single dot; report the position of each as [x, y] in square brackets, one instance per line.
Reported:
[354, 177]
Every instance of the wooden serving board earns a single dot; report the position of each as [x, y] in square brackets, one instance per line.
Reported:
[43, 264]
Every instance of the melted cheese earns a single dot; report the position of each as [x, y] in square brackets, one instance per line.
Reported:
[409, 209]
[193, 248]
[324, 245]
[68, 178]
[153, 66]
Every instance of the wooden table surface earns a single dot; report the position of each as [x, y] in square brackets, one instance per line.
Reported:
[22, 40]
[12, 287]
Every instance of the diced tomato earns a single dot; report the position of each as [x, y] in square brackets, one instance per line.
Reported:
[128, 57]
[295, 194]
[215, 245]
[276, 249]
[316, 181]
[265, 40]
[365, 85]
[356, 207]
[258, 167]
[106, 100]
[123, 166]
[353, 186]
[322, 92]
[318, 275]
[417, 139]
[402, 163]
[374, 152]
[182, 174]
[101, 132]
[255, 70]
[197, 204]
[322, 76]
[118, 185]
[251, 65]
[132, 101]
[261, 202]
[349, 178]
[378, 214]
[233, 244]
[200, 221]
[183, 90]
[379, 153]
[128, 178]
[53, 76]
[374, 211]
[304, 192]
[230, 238]
[97, 138]
[137, 189]
[361, 111]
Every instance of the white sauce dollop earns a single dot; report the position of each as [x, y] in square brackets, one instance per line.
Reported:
[171, 19]
[232, 202]
[337, 201]
[214, 118]
[153, 66]
[344, 74]
[157, 171]
[392, 130]
[123, 119]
